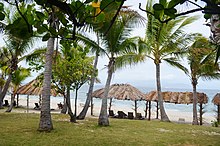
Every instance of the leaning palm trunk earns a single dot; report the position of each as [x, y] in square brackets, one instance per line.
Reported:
[163, 114]
[72, 116]
[64, 109]
[5, 89]
[195, 118]
[12, 103]
[82, 114]
[45, 116]
[103, 116]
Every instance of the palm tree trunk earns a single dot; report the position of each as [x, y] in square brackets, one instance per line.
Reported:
[82, 114]
[64, 109]
[195, 117]
[103, 116]
[72, 116]
[45, 116]
[163, 114]
[12, 103]
[5, 89]
[76, 96]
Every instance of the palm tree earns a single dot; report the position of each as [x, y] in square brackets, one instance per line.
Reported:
[95, 47]
[17, 43]
[202, 64]
[162, 41]
[18, 76]
[117, 43]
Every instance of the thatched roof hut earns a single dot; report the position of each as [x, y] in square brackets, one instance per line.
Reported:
[216, 99]
[121, 92]
[34, 87]
[177, 97]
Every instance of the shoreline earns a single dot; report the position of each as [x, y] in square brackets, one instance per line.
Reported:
[174, 115]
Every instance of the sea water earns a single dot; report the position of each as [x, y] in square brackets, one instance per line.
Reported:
[210, 108]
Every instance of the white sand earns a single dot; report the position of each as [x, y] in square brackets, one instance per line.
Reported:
[174, 115]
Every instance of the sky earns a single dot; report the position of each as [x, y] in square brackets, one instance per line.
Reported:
[144, 74]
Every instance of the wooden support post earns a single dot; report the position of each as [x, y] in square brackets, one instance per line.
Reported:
[200, 113]
[135, 108]
[157, 112]
[149, 115]
[218, 118]
[146, 109]
[27, 103]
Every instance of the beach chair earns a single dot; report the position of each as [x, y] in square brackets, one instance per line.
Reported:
[111, 113]
[37, 107]
[60, 105]
[181, 120]
[6, 103]
[139, 116]
[130, 115]
[122, 115]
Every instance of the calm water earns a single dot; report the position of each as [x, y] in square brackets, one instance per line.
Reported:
[122, 104]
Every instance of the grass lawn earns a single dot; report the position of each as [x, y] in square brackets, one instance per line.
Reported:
[21, 129]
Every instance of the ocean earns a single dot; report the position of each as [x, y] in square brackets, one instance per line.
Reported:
[127, 105]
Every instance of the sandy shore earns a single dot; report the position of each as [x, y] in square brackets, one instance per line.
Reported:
[174, 115]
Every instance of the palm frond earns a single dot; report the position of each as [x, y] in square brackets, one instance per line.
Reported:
[129, 59]
[174, 62]
[90, 43]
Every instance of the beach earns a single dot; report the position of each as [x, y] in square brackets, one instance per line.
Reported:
[126, 106]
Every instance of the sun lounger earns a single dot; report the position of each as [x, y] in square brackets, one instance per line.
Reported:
[139, 116]
[122, 115]
[6, 103]
[130, 115]
[111, 113]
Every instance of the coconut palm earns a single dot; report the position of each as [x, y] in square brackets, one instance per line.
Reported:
[202, 64]
[45, 115]
[162, 42]
[95, 47]
[17, 78]
[117, 43]
[17, 43]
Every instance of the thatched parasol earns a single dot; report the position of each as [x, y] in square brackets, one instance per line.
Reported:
[34, 87]
[177, 97]
[121, 92]
[216, 101]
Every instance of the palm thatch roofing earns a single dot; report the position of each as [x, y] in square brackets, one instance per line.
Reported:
[177, 97]
[120, 92]
[35, 87]
[216, 99]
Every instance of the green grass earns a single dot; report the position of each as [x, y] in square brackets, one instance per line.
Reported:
[21, 129]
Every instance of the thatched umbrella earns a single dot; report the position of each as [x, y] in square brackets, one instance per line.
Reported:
[179, 98]
[121, 92]
[34, 87]
[216, 101]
